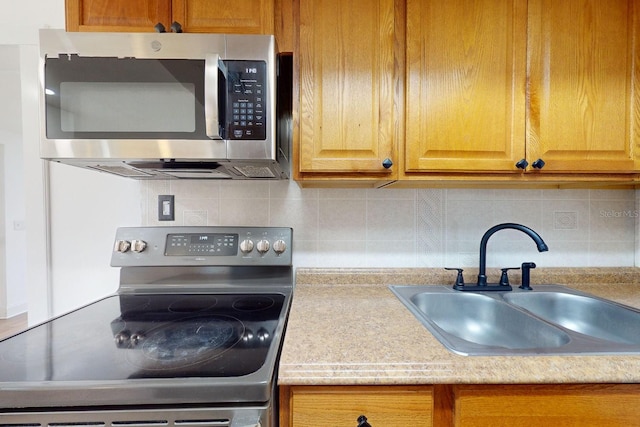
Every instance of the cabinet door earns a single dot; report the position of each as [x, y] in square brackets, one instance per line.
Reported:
[584, 84]
[225, 16]
[117, 15]
[341, 406]
[205, 16]
[465, 85]
[345, 68]
[597, 405]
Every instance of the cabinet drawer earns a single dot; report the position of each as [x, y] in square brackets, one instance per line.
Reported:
[582, 405]
[310, 406]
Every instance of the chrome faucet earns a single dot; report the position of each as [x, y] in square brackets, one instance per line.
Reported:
[482, 276]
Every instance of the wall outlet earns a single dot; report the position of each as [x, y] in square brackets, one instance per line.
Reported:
[166, 208]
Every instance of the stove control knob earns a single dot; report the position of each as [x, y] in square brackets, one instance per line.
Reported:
[138, 245]
[246, 246]
[279, 246]
[121, 246]
[263, 246]
[136, 338]
[122, 339]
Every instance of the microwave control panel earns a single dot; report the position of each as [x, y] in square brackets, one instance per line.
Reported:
[246, 95]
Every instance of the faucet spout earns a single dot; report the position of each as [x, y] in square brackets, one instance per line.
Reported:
[482, 275]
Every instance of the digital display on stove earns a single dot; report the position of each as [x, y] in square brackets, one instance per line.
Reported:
[202, 244]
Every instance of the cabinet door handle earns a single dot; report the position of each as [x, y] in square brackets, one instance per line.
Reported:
[160, 28]
[362, 421]
[538, 164]
[176, 27]
[522, 164]
[387, 163]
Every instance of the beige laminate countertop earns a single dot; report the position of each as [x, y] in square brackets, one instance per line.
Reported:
[347, 328]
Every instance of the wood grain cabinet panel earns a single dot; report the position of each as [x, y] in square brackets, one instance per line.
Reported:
[117, 15]
[345, 61]
[480, 405]
[308, 406]
[584, 405]
[583, 85]
[465, 85]
[225, 16]
[204, 16]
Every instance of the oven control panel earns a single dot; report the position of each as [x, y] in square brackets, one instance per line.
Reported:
[197, 246]
[209, 244]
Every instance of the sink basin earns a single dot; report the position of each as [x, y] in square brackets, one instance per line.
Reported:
[471, 317]
[587, 315]
[551, 319]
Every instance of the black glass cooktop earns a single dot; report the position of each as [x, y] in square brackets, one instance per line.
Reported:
[147, 336]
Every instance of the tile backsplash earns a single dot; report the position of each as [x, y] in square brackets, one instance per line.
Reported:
[415, 227]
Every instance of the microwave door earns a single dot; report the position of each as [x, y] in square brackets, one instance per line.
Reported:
[215, 76]
[112, 98]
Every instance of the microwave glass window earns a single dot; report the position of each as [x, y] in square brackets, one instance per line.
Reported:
[125, 98]
[127, 107]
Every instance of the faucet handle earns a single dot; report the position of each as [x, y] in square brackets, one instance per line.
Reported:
[504, 278]
[459, 278]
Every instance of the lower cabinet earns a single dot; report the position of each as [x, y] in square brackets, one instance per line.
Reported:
[584, 405]
[332, 406]
[600, 405]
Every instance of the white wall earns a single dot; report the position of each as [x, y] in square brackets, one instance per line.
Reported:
[86, 208]
[14, 295]
[68, 210]
[21, 20]
[3, 240]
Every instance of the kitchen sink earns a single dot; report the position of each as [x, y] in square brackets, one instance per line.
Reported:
[584, 314]
[550, 319]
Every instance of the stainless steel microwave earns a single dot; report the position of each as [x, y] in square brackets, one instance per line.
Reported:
[166, 105]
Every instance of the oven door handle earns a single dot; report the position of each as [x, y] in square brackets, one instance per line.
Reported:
[214, 68]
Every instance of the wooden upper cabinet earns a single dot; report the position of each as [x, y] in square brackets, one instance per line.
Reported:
[345, 68]
[584, 84]
[205, 16]
[465, 85]
[225, 16]
[117, 15]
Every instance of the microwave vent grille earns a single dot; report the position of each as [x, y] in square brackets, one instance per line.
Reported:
[253, 171]
[122, 171]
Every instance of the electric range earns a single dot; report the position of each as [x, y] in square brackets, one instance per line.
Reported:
[191, 337]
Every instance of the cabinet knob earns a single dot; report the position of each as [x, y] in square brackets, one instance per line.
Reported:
[538, 164]
[522, 164]
[176, 27]
[362, 421]
[160, 28]
[387, 163]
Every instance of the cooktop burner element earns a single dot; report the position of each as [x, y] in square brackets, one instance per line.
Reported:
[198, 319]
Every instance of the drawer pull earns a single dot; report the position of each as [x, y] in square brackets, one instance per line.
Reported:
[362, 421]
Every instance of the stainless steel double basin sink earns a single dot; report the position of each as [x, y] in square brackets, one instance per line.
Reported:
[549, 319]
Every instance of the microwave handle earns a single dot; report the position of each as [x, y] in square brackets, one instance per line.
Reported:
[212, 67]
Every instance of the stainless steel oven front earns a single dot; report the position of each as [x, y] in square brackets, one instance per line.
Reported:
[191, 338]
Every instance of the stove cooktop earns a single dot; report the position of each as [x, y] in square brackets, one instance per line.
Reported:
[147, 336]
